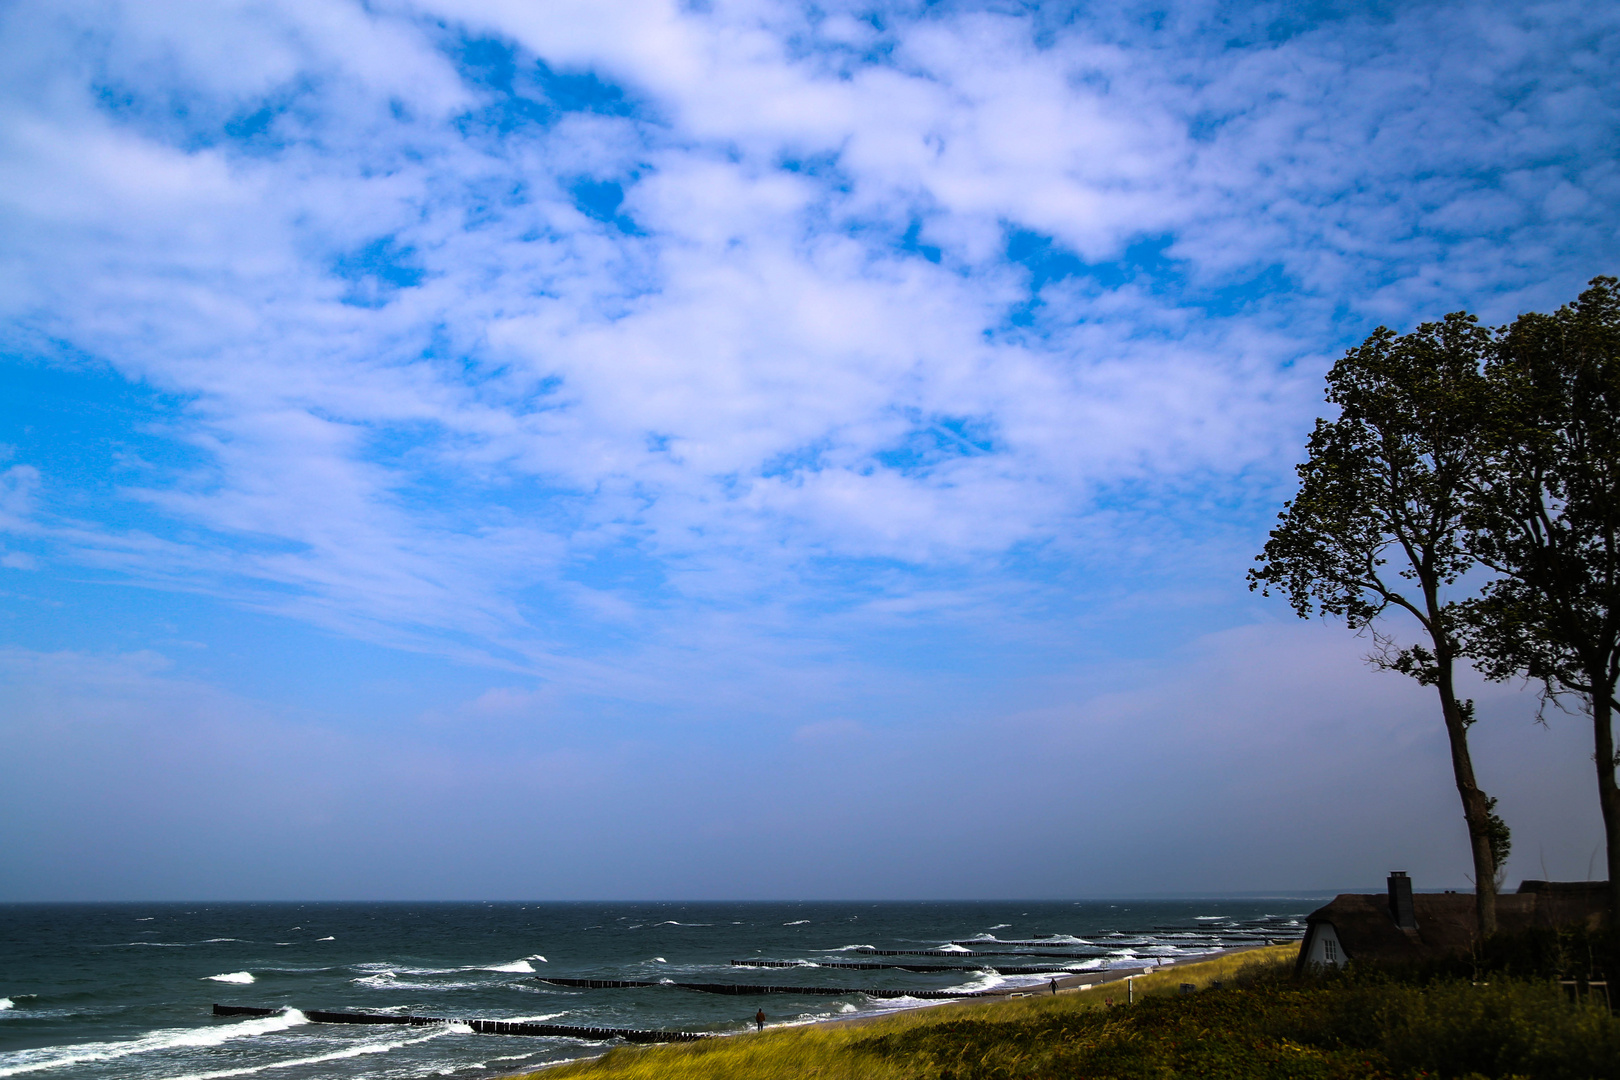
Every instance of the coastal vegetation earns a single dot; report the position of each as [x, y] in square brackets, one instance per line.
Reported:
[1472, 479]
[1248, 1016]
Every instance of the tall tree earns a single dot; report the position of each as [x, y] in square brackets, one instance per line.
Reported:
[1378, 524]
[1546, 518]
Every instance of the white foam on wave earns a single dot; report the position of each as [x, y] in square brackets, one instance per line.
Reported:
[537, 956]
[542, 1018]
[153, 944]
[378, 1046]
[328, 938]
[952, 948]
[243, 977]
[854, 948]
[984, 980]
[797, 922]
[1001, 926]
[217, 940]
[148, 918]
[60, 1057]
[982, 937]
[516, 967]
[672, 922]
[5, 1003]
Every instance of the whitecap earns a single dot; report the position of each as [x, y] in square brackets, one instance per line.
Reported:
[537, 956]
[658, 960]
[148, 918]
[952, 949]
[371, 1047]
[516, 967]
[232, 977]
[217, 940]
[381, 978]
[5, 1003]
[1001, 926]
[797, 922]
[854, 948]
[846, 1007]
[326, 939]
[56, 1057]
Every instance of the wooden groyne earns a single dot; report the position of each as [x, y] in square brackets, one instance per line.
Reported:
[966, 953]
[749, 989]
[482, 1027]
[999, 969]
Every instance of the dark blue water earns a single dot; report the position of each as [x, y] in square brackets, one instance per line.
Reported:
[95, 992]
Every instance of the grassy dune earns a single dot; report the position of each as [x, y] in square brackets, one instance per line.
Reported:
[1262, 1024]
[831, 1051]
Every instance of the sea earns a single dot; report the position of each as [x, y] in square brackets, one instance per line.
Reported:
[126, 991]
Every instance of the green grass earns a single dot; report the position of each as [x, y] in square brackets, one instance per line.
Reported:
[1262, 1024]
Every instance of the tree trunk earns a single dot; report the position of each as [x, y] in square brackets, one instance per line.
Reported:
[1476, 807]
[1603, 738]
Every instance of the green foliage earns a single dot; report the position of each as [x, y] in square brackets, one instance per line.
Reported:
[1378, 517]
[1546, 512]
[1337, 1027]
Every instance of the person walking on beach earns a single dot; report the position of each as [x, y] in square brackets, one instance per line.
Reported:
[759, 1020]
[1054, 986]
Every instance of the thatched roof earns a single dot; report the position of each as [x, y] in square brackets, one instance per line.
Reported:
[1446, 922]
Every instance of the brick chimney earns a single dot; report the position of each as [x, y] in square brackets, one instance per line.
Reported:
[1400, 900]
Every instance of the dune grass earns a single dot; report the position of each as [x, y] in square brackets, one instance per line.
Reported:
[833, 1051]
[1262, 1023]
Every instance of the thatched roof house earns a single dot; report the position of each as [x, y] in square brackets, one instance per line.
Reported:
[1401, 926]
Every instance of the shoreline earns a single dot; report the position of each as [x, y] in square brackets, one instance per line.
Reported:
[1068, 985]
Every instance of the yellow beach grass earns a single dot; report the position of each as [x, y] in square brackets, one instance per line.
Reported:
[822, 1050]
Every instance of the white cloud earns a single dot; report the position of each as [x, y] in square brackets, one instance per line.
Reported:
[756, 380]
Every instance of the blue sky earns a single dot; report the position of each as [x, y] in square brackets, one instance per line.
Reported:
[739, 449]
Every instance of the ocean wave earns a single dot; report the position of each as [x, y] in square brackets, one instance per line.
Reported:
[378, 1046]
[152, 944]
[952, 948]
[985, 980]
[217, 940]
[326, 938]
[797, 922]
[243, 977]
[59, 1057]
[6, 1003]
[672, 922]
[1001, 926]
[516, 967]
[854, 948]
